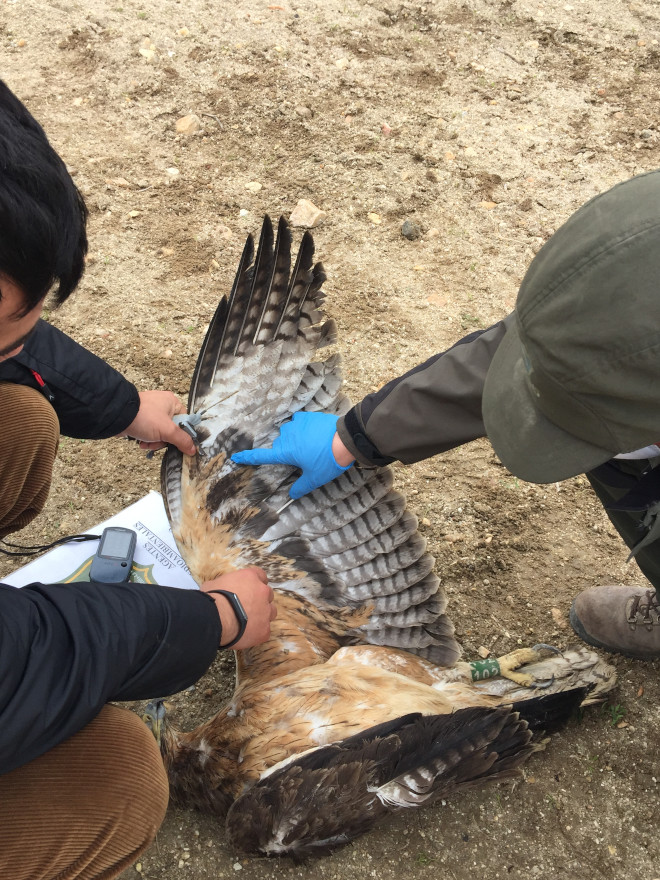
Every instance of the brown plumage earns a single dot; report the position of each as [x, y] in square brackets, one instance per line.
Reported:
[357, 704]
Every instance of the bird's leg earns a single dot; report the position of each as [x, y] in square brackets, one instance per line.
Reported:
[506, 665]
[515, 659]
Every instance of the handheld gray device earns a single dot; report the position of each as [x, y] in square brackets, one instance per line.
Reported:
[114, 556]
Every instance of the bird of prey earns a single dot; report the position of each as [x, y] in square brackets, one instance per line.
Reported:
[358, 704]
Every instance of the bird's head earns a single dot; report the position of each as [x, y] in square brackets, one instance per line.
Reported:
[155, 717]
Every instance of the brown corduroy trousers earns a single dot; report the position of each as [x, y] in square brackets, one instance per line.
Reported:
[90, 806]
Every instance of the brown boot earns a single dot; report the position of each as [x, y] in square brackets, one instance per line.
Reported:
[622, 620]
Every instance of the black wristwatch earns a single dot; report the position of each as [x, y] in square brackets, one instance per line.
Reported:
[239, 613]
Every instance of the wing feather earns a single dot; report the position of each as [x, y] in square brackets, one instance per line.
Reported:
[350, 542]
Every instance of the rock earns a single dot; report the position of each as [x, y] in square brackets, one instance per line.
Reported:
[374, 218]
[483, 652]
[148, 54]
[559, 618]
[411, 230]
[188, 124]
[253, 186]
[303, 111]
[183, 32]
[307, 214]
[342, 63]
[172, 172]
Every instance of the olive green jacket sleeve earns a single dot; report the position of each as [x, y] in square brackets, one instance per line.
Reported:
[432, 408]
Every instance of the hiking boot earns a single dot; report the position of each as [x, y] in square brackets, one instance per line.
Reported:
[622, 620]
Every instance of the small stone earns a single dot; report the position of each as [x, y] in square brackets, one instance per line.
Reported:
[470, 151]
[488, 206]
[559, 618]
[374, 218]
[185, 855]
[342, 63]
[21, 43]
[449, 156]
[118, 181]
[303, 111]
[172, 172]
[243, 212]
[224, 231]
[410, 230]
[307, 214]
[148, 54]
[181, 863]
[483, 652]
[425, 521]
[386, 130]
[77, 102]
[167, 353]
[433, 232]
[432, 175]
[453, 537]
[133, 214]
[138, 867]
[188, 124]
[646, 134]
[237, 866]
[254, 186]
[167, 251]
[183, 32]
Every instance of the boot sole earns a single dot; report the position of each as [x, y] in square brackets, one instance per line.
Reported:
[590, 640]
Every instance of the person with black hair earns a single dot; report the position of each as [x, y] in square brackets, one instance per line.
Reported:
[82, 785]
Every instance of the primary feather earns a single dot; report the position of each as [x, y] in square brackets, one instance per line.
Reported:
[349, 543]
[357, 704]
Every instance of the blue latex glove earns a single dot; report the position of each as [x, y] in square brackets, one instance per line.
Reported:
[306, 443]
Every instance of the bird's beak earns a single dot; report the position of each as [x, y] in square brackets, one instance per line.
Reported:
[154, 717]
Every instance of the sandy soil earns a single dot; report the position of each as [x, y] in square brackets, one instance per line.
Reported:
[486, 124]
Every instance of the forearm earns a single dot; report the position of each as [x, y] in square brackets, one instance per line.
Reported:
[92, 399]
[67, 649]
[432, 408]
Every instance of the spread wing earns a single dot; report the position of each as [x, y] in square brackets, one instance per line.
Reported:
[357, 704]
[351, 543]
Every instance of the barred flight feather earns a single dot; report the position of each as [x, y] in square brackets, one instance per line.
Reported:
[357, 704]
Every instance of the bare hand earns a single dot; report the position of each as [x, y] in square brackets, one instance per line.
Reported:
[153, 427]
[257, 598]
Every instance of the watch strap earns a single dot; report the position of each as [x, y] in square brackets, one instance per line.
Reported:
[239, 613]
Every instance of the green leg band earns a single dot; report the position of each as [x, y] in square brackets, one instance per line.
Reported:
[484, 669]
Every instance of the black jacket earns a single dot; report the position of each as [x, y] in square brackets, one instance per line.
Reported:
[65, 650]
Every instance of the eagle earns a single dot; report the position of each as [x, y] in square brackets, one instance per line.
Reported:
[358, 704]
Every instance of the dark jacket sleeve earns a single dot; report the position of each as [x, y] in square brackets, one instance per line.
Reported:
[432, 408]
[66, 649]
[92, 400]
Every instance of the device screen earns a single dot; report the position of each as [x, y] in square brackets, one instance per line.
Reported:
[116, 544]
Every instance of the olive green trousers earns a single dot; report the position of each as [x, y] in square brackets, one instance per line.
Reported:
[87, 808]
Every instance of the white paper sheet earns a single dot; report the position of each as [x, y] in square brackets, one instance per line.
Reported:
[157, 560]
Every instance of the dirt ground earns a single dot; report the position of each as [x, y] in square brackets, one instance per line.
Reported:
[485, 124]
